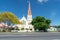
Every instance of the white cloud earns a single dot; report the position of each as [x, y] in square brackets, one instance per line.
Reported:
[53, 14]
[41, 1]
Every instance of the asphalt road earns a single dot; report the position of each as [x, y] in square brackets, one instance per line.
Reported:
[30, 36]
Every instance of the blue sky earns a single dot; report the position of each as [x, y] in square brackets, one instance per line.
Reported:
[50, 9]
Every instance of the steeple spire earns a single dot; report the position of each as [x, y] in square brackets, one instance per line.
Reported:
[29, 16]
[29, 10]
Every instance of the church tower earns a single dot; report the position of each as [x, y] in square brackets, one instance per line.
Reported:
[29, 16]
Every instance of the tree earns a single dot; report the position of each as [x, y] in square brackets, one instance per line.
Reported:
[9, 17]
[59, 26]
[48, 21]
[40, 23]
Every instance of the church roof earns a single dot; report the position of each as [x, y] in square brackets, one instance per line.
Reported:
[23, 18]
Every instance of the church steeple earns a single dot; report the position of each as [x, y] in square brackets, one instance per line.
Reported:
[29, 10]
[29, 16]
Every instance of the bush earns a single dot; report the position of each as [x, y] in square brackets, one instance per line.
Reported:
[31, 29]
[4, 31]
[22, 28]
[0, 30]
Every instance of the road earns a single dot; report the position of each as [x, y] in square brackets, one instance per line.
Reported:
[30, 36]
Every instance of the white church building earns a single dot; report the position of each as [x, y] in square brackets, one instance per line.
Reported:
[26, 25]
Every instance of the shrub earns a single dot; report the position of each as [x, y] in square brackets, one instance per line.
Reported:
[22, 28]
[4, 31]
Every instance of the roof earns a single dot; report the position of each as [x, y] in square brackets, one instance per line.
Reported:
[23, 18]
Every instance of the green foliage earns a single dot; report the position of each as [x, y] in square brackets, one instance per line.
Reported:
[22, 28]
[40, 23]
[31, 29]
[27, 29]
[4, 31]
[48, 22]
[10, 17]
[12, 28]
[16, 28]
[59, 26]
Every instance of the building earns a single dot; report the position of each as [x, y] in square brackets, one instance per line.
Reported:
[52, 29]
[26, 25]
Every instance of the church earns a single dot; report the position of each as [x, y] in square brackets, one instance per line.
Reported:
[26, 25]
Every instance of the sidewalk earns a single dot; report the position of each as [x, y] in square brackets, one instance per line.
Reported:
[27, 32]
